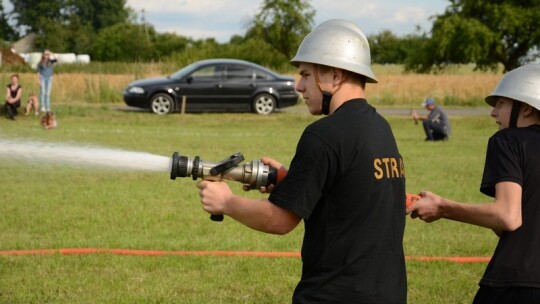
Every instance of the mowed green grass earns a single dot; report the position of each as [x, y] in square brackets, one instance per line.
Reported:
[46, 206]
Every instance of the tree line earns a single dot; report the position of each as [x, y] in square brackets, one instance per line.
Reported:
[487, 33]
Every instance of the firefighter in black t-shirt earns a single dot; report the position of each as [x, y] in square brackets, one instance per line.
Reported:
[512, 177]
[346, 180]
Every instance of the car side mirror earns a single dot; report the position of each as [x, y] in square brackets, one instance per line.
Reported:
[189, 79]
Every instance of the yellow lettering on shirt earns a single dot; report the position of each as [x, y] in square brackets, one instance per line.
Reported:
[388, 167]
[378, 171]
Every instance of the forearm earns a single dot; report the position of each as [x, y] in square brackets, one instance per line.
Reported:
[490, 215]
[261, 215]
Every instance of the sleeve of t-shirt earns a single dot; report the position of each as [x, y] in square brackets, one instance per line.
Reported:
[435, 116]
[304, 183]
[502, 164]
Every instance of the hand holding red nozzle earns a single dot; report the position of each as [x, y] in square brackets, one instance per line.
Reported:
[411, 199]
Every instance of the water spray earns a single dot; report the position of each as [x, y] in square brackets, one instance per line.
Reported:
[253, 175]
[79, 156]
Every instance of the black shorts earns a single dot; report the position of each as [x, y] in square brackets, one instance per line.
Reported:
[507, 295]
[16, 104]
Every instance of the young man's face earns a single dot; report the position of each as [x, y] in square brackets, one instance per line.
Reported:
[501, 112]
[307, 86]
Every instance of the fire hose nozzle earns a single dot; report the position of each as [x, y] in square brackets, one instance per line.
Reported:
[254, 174]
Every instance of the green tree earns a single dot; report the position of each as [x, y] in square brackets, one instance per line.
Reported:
[386, 48]
[30, 15]
[100, 14]
[485, 32]
[52, 36]
[67, 25]
[419, 49]
[124, 42]
[130, 41]
[7, 33]
[80, 36]
[166, 44]
[282, 24]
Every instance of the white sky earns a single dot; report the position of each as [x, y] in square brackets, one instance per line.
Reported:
[221, 19]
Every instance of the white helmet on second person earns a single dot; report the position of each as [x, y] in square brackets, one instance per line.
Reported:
[521, 84]
[337, 43]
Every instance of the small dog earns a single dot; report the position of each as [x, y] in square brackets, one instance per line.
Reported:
[33, 102]
[48, 121]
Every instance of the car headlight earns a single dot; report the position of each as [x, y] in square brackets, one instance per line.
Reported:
[136, 90]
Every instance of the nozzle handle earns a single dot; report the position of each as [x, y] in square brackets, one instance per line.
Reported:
[227, 163]
[275, 175]
[216, 217]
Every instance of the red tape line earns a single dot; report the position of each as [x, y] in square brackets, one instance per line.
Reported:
[271, 254]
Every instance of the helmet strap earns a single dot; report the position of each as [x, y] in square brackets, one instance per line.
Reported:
[327, 96]
[516, 105]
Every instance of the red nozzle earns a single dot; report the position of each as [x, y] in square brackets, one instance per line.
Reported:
[411, 199]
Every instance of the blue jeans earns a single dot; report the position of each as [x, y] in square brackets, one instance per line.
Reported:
[45, 88]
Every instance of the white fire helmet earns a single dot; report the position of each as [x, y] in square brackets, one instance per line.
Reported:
[337, 43]
[522, 84]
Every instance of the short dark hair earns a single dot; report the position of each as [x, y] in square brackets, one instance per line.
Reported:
[355, 77]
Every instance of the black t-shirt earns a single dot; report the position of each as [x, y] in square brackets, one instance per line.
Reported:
[347, 181]
[514, 155]
[12, 92]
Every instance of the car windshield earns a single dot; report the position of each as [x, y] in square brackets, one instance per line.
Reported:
[184, 71]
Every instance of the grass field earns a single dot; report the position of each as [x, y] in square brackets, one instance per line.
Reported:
[45, 206]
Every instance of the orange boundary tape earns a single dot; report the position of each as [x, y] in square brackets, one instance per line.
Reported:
[271, 254]
[454, 259]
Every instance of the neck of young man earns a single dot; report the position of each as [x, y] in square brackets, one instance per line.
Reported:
[345, 93]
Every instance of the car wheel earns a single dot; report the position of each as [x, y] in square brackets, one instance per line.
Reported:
[264, 104]
[162, 104]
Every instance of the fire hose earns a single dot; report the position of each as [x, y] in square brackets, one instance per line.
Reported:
[253, 175]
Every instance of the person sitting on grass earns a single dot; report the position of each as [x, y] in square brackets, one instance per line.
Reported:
[48, 120]
[13, 97]
[32, 103]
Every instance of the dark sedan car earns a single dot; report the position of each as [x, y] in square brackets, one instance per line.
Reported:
[214, 85]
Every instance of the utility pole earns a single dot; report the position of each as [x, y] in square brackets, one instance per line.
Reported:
[143, 21]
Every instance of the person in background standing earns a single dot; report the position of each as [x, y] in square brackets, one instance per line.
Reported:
[13, 97]
[45, 75]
